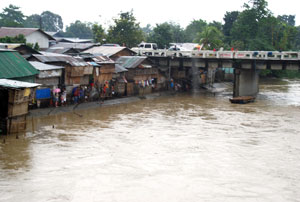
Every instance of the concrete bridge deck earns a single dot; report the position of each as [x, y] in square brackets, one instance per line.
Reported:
[247, 64]
[248, 55]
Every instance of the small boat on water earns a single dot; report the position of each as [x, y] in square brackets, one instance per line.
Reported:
[242, 99]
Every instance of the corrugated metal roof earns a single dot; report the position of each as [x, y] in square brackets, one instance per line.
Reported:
[13, 65]
[105, 50]
[73, 40]
[15, 31]
[103, 60]
[54, 57]
[131, 61]
[78, 46]
[44, 67]
[61, 50]
[7, 83]
[119, 68]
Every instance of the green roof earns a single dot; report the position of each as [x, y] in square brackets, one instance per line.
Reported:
[13, 65]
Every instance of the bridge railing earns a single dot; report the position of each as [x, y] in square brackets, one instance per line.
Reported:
[263, 55]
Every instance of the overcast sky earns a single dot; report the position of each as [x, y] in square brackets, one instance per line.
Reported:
[146, 12]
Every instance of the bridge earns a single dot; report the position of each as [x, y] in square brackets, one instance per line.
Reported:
[246, 64]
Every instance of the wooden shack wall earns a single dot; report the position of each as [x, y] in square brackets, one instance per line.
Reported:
[16, 124]
[124, 52]
[52, 81]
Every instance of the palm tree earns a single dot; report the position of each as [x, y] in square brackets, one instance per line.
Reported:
[211, 38]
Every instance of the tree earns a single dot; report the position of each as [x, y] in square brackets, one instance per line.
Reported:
[33, 21]
[51, 22]
[288, 19]
[193, 28]
[80, 30]
[178, 34]
[125, 31]
[162, 35]
[217, 25]
[211, 38]
[229, 19]
[11, 17]
[47, 21]
[98, 33]
[245, 29]
[17, 39]
[148, 31]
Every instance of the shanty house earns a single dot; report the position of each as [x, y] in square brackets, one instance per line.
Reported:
[76, 70]
[14, 66]
[112, 52]
[69, 48]
[15, 98]
[105, 71]
[142, 76]
[49, 75]
[23, 49]
[32, 35]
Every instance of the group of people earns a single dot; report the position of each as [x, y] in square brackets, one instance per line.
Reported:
[59, 97]
[81, 94]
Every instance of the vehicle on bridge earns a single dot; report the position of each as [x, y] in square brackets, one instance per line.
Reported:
[177, 52]
[145, 48]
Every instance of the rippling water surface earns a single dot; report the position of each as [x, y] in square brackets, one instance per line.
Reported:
[182, 148]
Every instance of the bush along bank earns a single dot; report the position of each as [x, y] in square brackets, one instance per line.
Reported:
[290, 74]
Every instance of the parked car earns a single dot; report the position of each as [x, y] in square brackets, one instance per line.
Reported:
[178, 51]
[144, 47]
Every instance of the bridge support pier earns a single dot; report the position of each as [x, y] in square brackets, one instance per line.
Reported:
[245, 82]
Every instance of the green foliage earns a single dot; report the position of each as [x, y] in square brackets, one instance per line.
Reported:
[11, 17]
[51, 22]
[229, 19]
[193, 28]
[162, 35]
[80, 30]
[125, 31]
[34, 21]
[17, 39]
[98, 33]
[36, 47]
[211, 38]
[288, 19]
[148, 31]
[290, 74]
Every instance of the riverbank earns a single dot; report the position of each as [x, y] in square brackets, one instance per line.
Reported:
[95, 104]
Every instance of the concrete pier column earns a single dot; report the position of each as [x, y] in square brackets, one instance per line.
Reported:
[245, 82]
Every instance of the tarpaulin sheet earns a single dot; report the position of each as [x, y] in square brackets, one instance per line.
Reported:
[43, 93]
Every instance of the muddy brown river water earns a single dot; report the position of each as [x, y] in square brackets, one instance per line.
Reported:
[182, 148]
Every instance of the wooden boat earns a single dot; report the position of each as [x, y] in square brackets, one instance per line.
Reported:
[242, 99]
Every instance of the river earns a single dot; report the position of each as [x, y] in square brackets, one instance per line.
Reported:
[182, 148]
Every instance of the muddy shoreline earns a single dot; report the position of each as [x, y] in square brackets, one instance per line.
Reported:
[94, 104]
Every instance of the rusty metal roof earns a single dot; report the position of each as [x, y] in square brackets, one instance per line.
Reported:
[13, 65]
[54, 57]
[13, 31]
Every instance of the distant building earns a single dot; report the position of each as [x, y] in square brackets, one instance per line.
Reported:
[32, 35]
[23, 49]
[69, 48]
